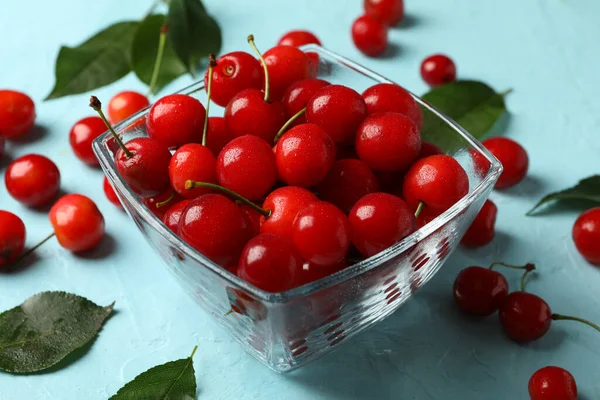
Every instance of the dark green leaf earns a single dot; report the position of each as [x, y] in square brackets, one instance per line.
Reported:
[586, 189]
[46, 328]
[101, 60]
[192, 32]
[473, 105]
[174, 380]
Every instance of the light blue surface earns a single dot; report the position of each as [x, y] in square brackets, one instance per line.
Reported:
[546, 50]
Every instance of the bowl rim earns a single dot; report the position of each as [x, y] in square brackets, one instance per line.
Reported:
[107, 163]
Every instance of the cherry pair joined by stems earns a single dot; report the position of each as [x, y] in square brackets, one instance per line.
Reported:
[17, 114]
[370, 35]
[390, 12]
[482, 229]
[552, 383]
[33, 180]
[586, 235]
[387, 97]
[82, 135]
[124, 104]
[438, 69]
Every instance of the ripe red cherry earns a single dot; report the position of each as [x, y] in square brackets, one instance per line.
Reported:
[387, 97]
[216, 227]
[511, 155]
[388, 142]
[253, 218]
[369, 35]
[247, 166]
[77, 222]
[337, 109]
[378, 221]
[285, 203]
[159, 204]
[437, 181]
[270, 262]
[298, 38]
[33, 180]
[12, 237]
[481, 231]
[304, 155]
[389, 11]
[124, 104]
[175, 120]
[480, 291]
[438, 69]
[586, 235]
[17, 114]
[173, 215]
[552, 383]
[82, 135]
[234, 72]
[322, 234]
[429, 149]
[348, 181]
[297, 96]
[286, 65]
[110, 193]
[217, 136]
[192, 162]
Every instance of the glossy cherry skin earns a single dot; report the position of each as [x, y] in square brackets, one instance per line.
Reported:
[175, 120]
[110, 193]
[192, 162]
[32, 180]
[438, 181]
[77, 222]
[511, 155]
[82, 135]
[285, 203]
[12, 237]
[389, 11]
[253, 218]
[298, 94]
[322, 234]
[387, 97]
[438, 69]
[525, 317]
[173, 215]
[270, 262]
[370, 35]
[286, 65]
[337, 109]
[479, 291]
[165, 199]
[304, 155]
[429, 149]
[298, 38]
[482, 229]
[378, 221]
[586, 235]
[124, 104]
[347, 181]
[217, 135]
[17, 114]
[216, 227]
[234, 72]
[147, 170]
[249, 114]
[552, 383]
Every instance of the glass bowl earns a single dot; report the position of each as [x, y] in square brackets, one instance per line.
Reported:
[287, 330]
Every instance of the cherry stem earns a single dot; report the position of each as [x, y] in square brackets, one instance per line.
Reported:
[193, 352]
[528, 266]
[167, 201]
[419, 209]
[288, 123]
[34, 248]
[558, 317]
[264, 64]
[523, 278]
[162, 39]
[97, 106]
[193, 184]
[211, 65]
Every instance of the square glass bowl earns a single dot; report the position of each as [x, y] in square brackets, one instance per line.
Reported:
[287, 330]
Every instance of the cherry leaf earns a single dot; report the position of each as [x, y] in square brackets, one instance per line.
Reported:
[586, 189]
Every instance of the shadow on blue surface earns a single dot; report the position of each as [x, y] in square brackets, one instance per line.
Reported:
[105, 248]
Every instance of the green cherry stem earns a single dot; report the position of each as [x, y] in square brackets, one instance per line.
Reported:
[211, 65]
[288, 123]
[167, 201]
[527, 267]
[97, 106]
[419, 209]
[559, 317]
[162, 39]
[31, 250]
[193, 352]
[193, 184]
[264, 64]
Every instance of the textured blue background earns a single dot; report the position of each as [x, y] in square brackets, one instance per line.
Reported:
[546, 50]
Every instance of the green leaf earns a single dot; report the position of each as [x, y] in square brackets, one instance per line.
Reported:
[174, 380]
[101, 60]
[586, 189]
[473, 105]
[192, 32]
[46, 328]
[145, 49]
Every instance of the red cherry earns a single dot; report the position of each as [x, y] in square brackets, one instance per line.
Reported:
[160, 204]
[247, 166]
[438, 69]
[33, 180]
[304, 155]
[77, 222]
[287, 65]
[586, 235]
[311, 273]
[17, 114]
[552, 383]
[298, 94]
[437, 181]
[298, 38]
[82, 135]
[480, 291]
[110, 193]
[481, 231]
[387, 97]
[389, 11]
[216, 227]
[173, 215]
[253, 217]
[378, 221]
[370, 35]
[513, 157]
[175, 120]
[337, 109]
[322, 234]
[347, 182]
[217, 136]
[234, 72]
[429, 149]
[426, 216]
[124, 104]
[525, 317]
[12, 237]
[285, 203]
[192, 162]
